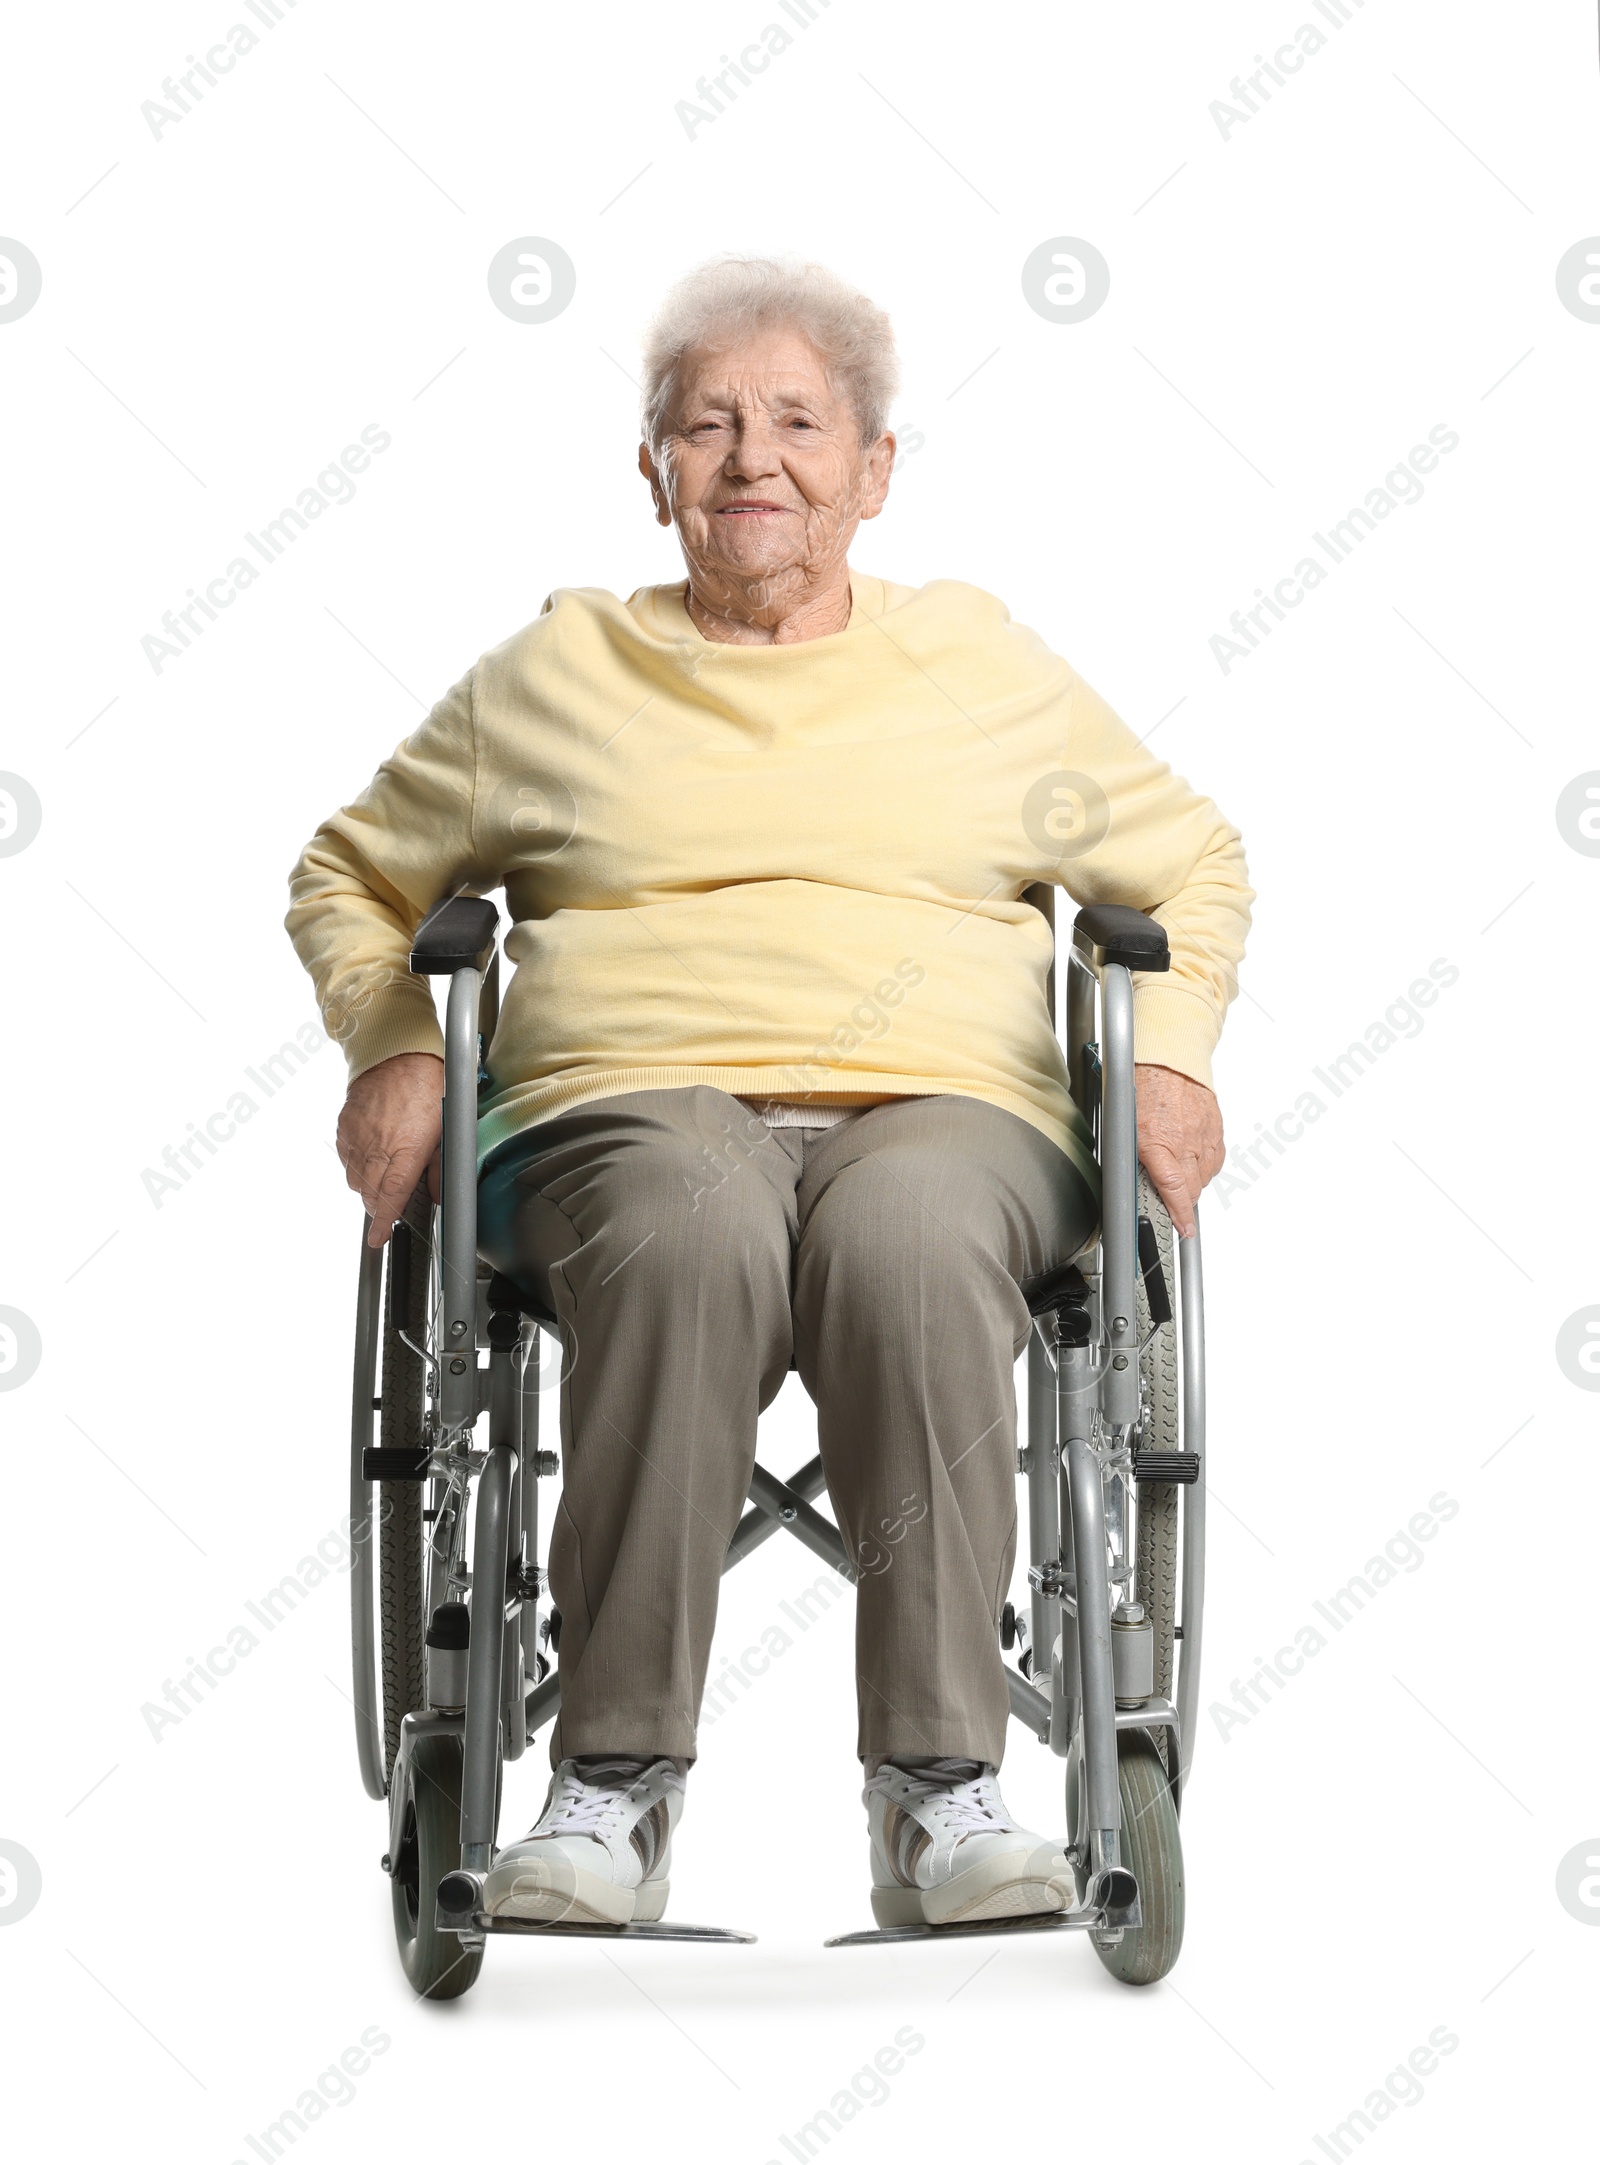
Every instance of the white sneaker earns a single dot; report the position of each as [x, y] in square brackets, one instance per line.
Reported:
[946, 1851]
[601, 1849]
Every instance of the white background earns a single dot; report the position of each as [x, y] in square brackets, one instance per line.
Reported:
[1292, 307]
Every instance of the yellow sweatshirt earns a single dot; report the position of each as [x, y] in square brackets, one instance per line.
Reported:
[788, 871]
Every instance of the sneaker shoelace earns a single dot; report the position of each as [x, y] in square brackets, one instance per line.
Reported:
[591, 1799]
[959, 1800]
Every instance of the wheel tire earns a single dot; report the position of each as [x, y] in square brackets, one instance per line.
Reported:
[436, 1964]
[1152, 1852]
[402, 1625]
[1156, 1544]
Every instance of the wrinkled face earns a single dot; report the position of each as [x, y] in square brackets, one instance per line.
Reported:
[762, 468]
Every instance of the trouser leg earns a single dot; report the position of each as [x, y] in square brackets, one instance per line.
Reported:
[918, 1224]
[662, 1223]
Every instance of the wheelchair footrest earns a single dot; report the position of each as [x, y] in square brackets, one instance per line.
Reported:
[527, 1929]
[1050, 1920]
[390, 1462]
[1166, 1465]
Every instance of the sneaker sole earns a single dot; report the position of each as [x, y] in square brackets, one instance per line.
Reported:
[650, 1902]
[536, 1894]
[991, 1890]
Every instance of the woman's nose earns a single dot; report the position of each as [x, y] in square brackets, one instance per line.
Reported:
[753, 453]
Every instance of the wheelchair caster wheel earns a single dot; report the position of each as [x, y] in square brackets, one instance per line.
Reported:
[437, 1965]
[1150, 1847]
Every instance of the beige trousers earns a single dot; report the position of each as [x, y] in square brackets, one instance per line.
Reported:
[689, 1252]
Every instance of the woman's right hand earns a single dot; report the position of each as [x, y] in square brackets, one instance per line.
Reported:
[390, 1132]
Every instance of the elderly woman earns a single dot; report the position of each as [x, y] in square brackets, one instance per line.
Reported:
[774, 1082]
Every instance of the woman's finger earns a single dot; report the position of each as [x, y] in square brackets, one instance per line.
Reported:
[391, 1195]
[1172, 1186]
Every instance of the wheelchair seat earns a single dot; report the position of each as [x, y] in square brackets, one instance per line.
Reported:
[1044, 1295]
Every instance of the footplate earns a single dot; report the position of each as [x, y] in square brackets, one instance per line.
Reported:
[1048, 1920]
[527, 1928]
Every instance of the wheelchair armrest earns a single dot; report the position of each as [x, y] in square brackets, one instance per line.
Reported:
[456, 935]
[1109, 932]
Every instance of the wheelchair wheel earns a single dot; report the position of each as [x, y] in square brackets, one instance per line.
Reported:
[402, 1623]
[436, 1964]
[1153, 1853]
[1156, 1543]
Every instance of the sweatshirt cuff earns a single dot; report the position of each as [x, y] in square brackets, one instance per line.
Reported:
[1174, 1028]
[400, 1018]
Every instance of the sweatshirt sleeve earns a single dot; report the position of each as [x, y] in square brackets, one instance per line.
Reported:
[1169, 851]
[371, 873]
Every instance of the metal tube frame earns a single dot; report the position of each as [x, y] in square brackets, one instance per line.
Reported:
[1119, 1200]
[458, 1194]
[1041, 1463]
[1192, 1602]
[790, 1509]
[1082, 1547]
[481, 1729]
[505, 1429]
[528, 1445]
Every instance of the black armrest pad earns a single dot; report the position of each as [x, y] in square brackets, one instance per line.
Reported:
[1109, 932]
[458, 935]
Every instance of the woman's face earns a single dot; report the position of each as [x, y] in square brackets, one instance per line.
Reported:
[762, 469]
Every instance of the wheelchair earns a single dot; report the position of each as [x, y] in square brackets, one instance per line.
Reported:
[452, 1658]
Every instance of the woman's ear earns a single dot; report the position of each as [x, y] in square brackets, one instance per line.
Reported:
[879, 466]
[658, 494]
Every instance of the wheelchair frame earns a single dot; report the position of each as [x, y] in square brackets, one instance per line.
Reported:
[1098, 1331]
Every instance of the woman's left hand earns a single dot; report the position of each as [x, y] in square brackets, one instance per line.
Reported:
[1180, 1138]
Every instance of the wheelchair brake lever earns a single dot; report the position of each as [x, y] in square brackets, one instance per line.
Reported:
[424, 1356]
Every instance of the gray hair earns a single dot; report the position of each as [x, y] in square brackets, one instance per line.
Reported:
[724, 301]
